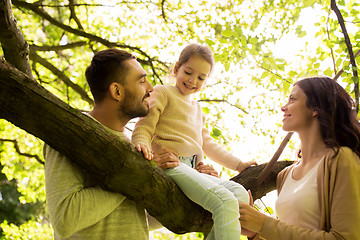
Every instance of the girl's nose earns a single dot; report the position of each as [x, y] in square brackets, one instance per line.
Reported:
[191, 79]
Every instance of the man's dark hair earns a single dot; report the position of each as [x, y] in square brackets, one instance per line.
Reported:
[105, 66]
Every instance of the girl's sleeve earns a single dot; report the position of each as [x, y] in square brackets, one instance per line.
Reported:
[342, 183]
[145, 128]
[216, 153]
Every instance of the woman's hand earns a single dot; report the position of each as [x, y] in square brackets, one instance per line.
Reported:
[251, 219]
[207, 169]
[165, 158]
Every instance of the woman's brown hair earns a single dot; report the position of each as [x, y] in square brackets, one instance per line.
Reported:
[335, 112]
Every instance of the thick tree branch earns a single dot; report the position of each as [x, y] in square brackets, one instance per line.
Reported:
[36, 58]
[17, 149]
[16, 49]
[350, 50]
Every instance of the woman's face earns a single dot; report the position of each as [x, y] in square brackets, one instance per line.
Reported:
[297, 116]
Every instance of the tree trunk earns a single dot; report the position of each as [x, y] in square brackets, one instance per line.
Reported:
[114, 163]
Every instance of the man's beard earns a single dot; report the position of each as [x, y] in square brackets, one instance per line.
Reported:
[132, 107]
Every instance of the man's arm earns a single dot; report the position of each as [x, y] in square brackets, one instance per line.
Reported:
[72, 207]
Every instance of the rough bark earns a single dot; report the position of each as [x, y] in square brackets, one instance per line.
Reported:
[114, 164]
[16, 49]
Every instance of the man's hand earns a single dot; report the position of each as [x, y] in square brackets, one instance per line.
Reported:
[207, 169]
[165, 158]
[145, 150]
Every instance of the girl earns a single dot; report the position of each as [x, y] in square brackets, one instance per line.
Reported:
[319, 196]
[176, 122]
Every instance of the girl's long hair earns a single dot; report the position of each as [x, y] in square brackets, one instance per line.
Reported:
[335, 112]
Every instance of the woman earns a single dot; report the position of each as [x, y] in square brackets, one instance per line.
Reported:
[319, 196]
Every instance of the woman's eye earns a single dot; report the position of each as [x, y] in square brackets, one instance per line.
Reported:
[188, 73]
[202, 79]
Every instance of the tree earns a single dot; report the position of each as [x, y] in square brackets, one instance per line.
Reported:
[63, 42]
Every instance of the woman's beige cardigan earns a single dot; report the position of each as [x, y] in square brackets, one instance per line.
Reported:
[338, 181]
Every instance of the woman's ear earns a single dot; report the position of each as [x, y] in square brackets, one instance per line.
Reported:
[116, 91]
[315, 113]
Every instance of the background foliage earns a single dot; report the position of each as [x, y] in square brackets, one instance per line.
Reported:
[261, 48]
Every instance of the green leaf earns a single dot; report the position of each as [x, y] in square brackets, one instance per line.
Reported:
[308, 3]
[227, 66]
[215, 132]
[302, 34]
[227, 33]
[243, 41]
[209, 42]
[253, 40]
[355, 79]
[292, 73]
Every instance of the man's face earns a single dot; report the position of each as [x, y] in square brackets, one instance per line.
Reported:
[136, 91]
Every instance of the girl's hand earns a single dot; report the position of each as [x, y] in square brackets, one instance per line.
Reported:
[145, 150]
[243, 165]
[207, 169]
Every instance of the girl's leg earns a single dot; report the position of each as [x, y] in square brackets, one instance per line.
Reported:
[213, 197]
[237, 189]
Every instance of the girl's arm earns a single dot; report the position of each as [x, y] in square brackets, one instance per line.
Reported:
[145, 128]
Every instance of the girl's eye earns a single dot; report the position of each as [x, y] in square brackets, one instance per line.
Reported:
[202, 79]
[187, 73]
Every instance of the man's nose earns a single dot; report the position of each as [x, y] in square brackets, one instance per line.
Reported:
[149, 87]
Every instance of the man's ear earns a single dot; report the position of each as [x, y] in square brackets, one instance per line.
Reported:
[116, 91]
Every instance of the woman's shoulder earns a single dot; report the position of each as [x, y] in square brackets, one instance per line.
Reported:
[345, 157]
[343, 152]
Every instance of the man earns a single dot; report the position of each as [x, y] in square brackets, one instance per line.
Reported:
[78, 208]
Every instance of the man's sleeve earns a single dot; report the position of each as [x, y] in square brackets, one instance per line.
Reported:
[71, 206]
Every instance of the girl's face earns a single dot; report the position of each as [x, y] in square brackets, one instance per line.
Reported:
[192, 75]
[297, 116]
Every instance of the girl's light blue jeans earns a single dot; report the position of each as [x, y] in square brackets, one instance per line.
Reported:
[218, 196]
